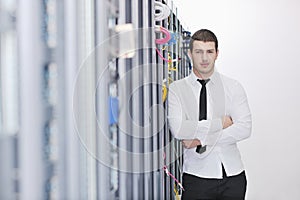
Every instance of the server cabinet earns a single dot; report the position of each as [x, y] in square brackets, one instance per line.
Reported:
[83, 107]
[9, 100]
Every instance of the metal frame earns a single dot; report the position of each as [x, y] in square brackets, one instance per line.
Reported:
[66, 145]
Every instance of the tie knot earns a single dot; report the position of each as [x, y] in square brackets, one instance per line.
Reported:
[203, 82]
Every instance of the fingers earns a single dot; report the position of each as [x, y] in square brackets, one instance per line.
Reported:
[227, 121]
[190, 143]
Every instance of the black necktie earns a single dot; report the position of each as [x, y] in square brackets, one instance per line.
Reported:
[202, 110]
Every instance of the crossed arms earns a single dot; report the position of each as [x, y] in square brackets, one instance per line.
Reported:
[234, 127]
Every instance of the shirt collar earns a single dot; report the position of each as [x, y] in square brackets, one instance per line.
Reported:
[193, 78]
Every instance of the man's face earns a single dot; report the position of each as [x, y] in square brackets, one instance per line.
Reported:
[203, 57]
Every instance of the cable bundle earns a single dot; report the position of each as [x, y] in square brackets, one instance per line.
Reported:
[164, 11]
[166, 39]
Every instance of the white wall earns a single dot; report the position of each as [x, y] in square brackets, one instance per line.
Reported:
[259, 46]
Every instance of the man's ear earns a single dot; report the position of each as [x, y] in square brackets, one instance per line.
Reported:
[190, 54]
[217, 54]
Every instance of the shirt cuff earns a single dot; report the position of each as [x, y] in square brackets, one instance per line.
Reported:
[216, 125]
[207, 128]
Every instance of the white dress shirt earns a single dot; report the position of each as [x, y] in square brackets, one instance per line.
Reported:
[225, 96]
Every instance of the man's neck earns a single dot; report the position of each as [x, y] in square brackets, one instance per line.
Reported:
[202, 76]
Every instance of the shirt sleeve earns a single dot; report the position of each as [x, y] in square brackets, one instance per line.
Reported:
[241, 117]
[183, 128]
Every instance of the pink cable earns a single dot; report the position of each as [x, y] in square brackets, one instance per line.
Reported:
[169, 174]
[162, 57]
[166, 39]
[173, 177]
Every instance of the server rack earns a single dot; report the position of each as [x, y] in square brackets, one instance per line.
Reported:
[85, 116]
[9, 92]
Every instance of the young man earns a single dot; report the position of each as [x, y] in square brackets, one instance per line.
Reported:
[209, 113]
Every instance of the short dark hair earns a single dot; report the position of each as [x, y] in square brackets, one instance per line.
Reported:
[204, 35]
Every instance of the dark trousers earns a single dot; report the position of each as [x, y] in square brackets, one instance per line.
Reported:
[228, 188]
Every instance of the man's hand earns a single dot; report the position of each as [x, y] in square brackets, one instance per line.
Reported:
[227, 121]
[191, 143]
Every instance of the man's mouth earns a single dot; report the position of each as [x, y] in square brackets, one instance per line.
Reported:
[204, 64]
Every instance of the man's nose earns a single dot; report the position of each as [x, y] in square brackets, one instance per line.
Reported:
[204, 57]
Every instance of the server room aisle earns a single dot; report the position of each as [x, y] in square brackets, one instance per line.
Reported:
[83, 99]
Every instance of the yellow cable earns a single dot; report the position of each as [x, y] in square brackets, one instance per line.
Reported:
[176, 192]
[169, 58]
[164, 48]
[164, 92]
[170, 80]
